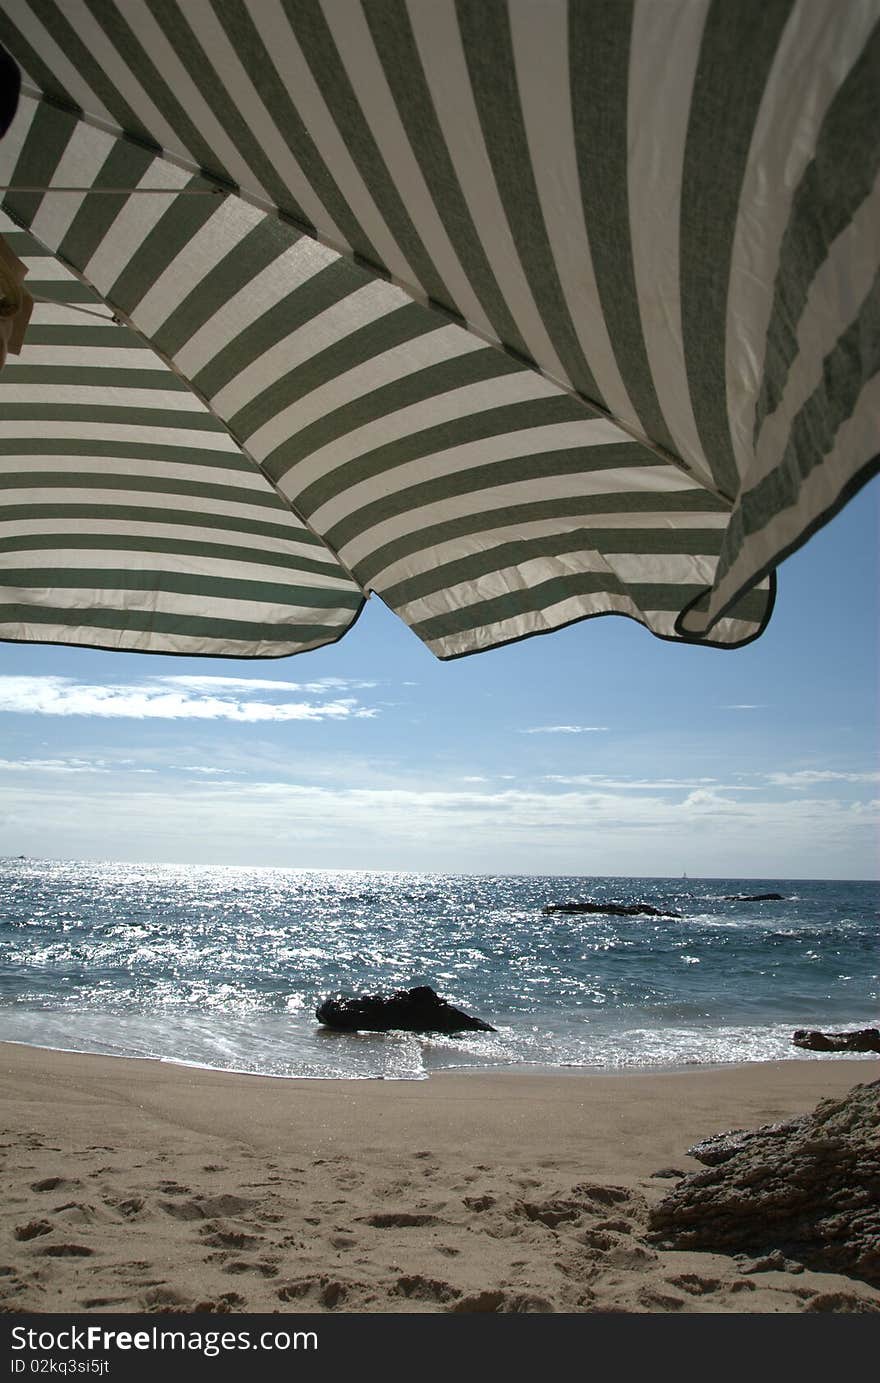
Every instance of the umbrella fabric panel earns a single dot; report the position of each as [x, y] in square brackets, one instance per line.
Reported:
[467, 489]
[128, 517]
[651, 208]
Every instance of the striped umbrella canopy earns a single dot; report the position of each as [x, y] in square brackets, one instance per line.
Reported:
[514, 312]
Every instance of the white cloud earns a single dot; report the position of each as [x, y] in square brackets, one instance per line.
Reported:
[704, 798]
[743, 706]
[566, 730]
[156, 699]
[219, 685]
[203, 768]
[52, 766]
[301, 824]
[807, 777]
[597, 780]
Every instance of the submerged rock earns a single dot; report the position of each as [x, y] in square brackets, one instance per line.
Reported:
[808, 1188]
[754, 898]
[864, 1040]
[613, 909]
[407, 1010]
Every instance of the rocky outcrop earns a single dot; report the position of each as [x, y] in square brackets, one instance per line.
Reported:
[754, 898]
[407, 1010]
[865, 1040]
[808, 1188]
[612, 909]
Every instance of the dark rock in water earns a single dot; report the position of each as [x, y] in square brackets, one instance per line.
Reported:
[864, 1040]
[407, 1010]
[613, 909]
[808, 1188]
[754, 898]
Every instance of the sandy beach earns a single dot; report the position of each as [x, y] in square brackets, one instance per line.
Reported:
[142, 1186]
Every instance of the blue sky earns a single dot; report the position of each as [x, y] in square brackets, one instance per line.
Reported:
[596, 750]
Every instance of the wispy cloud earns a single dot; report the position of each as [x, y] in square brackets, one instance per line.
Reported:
[71, 765]
[210, 772]
[743, 706]
[222, 698]
[219, 685]
[598, 780]
[566, 730]
[808, 777]
[52, 766]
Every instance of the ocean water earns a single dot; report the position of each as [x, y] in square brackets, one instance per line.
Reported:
[223, 967]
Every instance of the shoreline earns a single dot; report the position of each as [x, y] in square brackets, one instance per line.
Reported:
[139, 1185]
[537, 1069]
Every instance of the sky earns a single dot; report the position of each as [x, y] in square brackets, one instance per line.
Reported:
[597, 750]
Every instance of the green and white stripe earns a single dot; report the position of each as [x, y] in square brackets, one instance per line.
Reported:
[128, 517]
[512, 313]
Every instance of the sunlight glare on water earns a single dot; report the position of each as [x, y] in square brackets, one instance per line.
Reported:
[224, 966]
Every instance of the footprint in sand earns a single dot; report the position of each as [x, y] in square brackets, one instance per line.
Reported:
[597, 1239]
[207, 1207]
[78, 1213]
[52, 1184]
[400, 1219]
[214, 1206]
[479, 1203]
[66, 1251]
[349, 1181]
[588, 1193]
[425, 1288]
[497, 1301]
[629, 1254]
[223, 1238]
[698, 1286]
[841, 1301]
[163, 1298]
[240, 1265]
[654, 1300]
[329, 1292]
[32, 1230]
[129, 1207]
[550, 1213]
[227, 1301]
[12, 1285]
[183, 1210]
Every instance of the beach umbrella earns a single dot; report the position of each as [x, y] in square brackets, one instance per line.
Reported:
[513, 312]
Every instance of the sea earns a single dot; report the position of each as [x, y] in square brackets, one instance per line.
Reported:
[223, 967]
